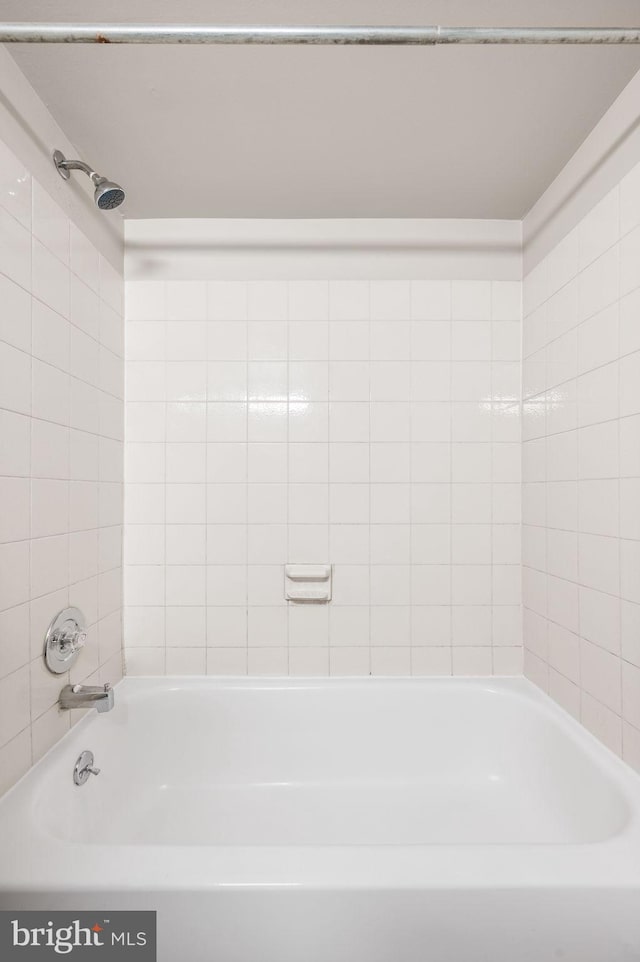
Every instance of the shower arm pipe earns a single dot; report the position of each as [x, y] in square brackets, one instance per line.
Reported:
[76, 165]
[365, 35]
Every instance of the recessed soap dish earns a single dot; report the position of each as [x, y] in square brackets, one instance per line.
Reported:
[308, 583]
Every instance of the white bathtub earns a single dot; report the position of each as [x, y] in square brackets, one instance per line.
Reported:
[337, 821]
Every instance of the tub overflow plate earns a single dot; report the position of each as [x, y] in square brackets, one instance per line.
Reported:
[84, 767]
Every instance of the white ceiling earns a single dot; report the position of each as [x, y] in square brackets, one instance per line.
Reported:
[329, 131]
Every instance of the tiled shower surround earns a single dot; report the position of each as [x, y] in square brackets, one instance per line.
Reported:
[581, 509]
[61, 439]
[374, 425]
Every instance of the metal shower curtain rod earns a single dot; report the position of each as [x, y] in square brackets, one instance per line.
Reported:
[382, 36]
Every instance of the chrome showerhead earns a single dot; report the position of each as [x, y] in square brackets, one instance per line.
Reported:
[107, 195]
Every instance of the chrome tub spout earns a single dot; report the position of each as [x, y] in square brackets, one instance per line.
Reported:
[87, 696]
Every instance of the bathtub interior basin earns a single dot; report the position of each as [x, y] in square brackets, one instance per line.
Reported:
[361, 763]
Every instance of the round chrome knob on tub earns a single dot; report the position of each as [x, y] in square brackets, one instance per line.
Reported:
[83, 768]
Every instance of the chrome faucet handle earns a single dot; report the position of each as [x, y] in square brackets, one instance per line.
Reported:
[65, 639]
[72, 639]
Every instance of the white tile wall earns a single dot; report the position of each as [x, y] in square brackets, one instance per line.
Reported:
[581, 458]
[373, 425]
[61, 464]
